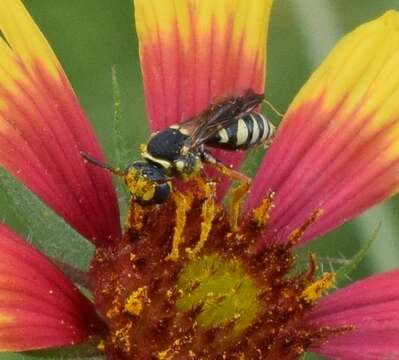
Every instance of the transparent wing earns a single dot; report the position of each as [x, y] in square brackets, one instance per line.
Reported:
[219, 115]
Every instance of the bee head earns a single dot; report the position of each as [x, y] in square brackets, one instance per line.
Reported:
[147, 183]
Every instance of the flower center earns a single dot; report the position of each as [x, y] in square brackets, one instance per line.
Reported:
[187, 281]
[224, 293]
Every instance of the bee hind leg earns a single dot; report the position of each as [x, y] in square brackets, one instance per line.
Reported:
[237, 194]
[208, 158]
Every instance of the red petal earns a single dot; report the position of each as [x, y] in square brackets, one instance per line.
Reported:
[39, 306]
[193, 52]
[372, 307]
[337, 148]
[43, 129]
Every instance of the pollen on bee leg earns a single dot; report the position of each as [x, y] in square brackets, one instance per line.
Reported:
[183, 203]
[209, 210]
[204, 187]
[316, 289]
[295, 236]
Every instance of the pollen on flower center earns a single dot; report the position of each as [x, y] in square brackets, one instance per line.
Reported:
[187, 281]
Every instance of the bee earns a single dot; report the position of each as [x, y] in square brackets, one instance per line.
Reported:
[181, 150]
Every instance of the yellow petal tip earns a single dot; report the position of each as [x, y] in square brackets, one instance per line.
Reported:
[391, 19]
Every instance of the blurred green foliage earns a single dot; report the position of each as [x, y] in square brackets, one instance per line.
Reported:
[91, 36]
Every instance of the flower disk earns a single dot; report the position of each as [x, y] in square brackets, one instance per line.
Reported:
[199, 290]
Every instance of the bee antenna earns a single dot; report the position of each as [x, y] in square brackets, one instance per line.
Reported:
[100, 164]
[271, 106]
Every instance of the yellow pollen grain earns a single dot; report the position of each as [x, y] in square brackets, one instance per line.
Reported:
[165, 355]
[235, 199]
[121, 337]
[101, 346]
[173, 350]
[135, 302]
[261, 214]
[135, 217]
[208, 213]
[183, 204]
[114, 311]
[315, 290]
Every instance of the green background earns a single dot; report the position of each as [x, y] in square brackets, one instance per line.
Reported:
[89, 36]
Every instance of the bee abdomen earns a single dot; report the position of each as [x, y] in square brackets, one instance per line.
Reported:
[250, 130]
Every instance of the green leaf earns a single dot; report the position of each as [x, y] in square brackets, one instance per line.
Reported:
[47, 231]
[120, 144]
[86, 351]
[345, 270]
[311, 356]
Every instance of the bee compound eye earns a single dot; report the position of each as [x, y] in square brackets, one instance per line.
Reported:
[147, 183]
[162, 192]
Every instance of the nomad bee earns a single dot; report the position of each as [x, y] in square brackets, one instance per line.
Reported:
[181, 150]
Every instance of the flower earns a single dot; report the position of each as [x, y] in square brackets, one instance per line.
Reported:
[193, 278]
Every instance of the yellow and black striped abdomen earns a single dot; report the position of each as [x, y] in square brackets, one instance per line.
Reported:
[249, 130]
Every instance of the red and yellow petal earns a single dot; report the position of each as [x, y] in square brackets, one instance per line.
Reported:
[338, 146]
[39, 306]
[193, 52]
[371, 306]
[43, 129]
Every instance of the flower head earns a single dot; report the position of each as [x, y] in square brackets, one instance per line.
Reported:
[195, 277]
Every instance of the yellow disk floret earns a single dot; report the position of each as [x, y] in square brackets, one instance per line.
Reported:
[208, 213]
[316, 289]
[183, 204]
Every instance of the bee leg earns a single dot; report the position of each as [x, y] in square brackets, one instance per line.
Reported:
[274, 109]
[236, 195]
[208, 158]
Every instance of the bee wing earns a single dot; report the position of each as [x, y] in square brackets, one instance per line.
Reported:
[219, 115]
